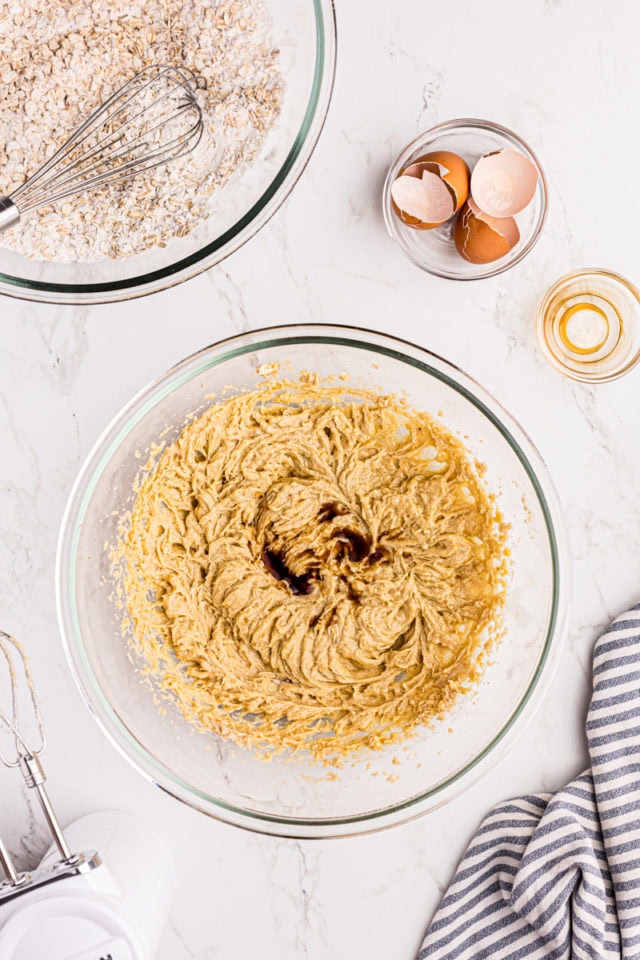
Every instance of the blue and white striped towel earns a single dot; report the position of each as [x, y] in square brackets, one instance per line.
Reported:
[557, 876]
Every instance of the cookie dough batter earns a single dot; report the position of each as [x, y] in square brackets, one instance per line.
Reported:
[314, 567]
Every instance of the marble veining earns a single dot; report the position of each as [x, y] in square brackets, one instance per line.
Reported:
[563, 74]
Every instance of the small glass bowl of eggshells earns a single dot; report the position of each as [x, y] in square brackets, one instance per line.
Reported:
[465, 200]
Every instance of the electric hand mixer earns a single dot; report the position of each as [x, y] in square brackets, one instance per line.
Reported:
[73, 906]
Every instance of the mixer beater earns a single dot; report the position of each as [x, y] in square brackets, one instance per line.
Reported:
[74, 906]
[27, 759]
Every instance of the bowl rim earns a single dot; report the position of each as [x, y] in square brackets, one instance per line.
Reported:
[555, 361]
[143, 759]
[426, 139]
[271, 199]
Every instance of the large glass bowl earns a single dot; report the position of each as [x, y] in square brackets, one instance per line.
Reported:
[305, 33]
[298, 797]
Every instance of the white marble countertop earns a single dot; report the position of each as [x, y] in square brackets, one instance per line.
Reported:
[562, 73]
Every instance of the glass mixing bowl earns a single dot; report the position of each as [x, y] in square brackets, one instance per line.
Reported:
[434, 250]
[305, 33]
[298, 797]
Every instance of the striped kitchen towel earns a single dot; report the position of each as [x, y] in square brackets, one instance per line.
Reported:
[557, 876]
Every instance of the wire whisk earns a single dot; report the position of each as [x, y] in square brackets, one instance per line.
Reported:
[151, 120]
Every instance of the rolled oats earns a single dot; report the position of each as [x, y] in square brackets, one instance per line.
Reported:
[60, 60]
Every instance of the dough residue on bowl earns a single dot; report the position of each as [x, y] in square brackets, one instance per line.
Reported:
[314, 567]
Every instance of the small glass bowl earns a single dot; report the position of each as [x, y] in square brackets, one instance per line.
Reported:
[434, 250]
[588, 325]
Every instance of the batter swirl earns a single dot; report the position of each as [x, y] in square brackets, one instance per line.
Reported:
[314, 567]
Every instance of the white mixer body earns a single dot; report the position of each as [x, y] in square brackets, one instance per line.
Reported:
[114, 912]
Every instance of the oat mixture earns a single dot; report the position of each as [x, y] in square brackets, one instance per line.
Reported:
[310, 570]
[61, 59]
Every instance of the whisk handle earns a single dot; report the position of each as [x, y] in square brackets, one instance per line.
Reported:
[9, 213]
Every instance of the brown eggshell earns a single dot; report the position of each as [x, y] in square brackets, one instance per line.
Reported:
[450, 170]
[503, 182]
[480, 238]
[421, 198]
[453, 171]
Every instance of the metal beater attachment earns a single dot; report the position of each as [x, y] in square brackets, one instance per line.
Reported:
[25, 756]
[152, 119]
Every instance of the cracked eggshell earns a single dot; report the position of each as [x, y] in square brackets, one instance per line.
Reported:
[503, 182]
[421, 198]
[440, 187]
[480, 238]
[453, 171]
